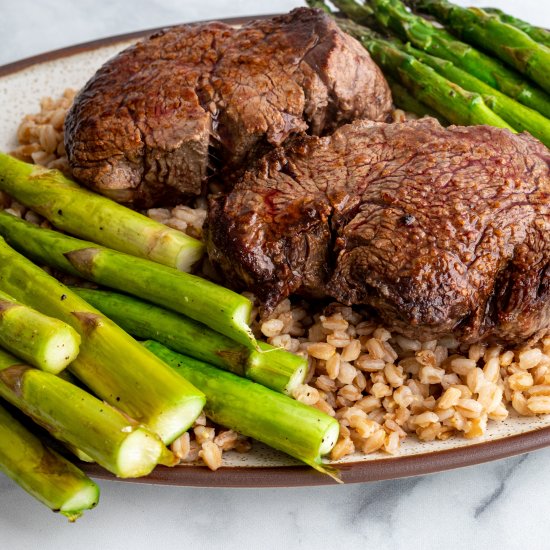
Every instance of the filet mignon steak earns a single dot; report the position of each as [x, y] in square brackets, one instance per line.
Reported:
[161, 116]
[438, 229]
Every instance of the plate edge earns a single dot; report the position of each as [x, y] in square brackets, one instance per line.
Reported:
[25, 63]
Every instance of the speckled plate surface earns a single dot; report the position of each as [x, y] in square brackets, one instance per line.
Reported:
[22, 84]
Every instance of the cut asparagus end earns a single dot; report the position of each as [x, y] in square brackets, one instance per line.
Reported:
[329, 439]
[61, 350]
[85, 499]
[172, 423]
[139, 454]
[276, 368]
[189, 255]
[173, 248]
[296, 379]
[243, 334]
[44, 342]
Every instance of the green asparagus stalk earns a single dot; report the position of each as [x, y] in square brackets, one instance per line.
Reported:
[403, 99]
[65, 204]
[217, 307]
[253, 410]
[487, 31]
[540, 35]
[520, 117]
[392, 14]
[111, 363]
[44, 342]
[43, 473]
[272, 367]
[360, 13]
[357, 11]
[72, 415]
[452, 102]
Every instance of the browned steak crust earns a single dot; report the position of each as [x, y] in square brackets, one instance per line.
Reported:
[153, 120]
[438, 229]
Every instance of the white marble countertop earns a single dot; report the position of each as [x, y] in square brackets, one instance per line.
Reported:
[498, 505]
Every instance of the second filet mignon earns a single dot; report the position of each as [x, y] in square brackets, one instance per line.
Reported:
[439, 229]
[149, 124]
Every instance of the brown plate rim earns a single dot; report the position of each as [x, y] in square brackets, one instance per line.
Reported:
[351, 472]
[299, 476]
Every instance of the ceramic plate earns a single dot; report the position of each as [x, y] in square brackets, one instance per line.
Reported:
[22, 84]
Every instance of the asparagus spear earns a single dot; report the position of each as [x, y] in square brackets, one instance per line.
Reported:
[520, 117]
[274, 368]
[46, 343]
[43, 473]
[113, 365]
[253, 410]
[74, 416]
[451, 101]
[219, 308]
[360, 13]
[403, 99]
[487, 31]
[318, 4]
[392, 14]
[67, 205]
[536, 33]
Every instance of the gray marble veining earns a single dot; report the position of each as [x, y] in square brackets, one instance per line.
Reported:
[500, 505]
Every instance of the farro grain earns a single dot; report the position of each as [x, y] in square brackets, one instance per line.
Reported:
[469, 408]
[321, 350]
[425, 419]
[375, 348]
[226, 440]
[211, 455]
[181, 446]
[367, 364]
[506, 358]
[406, 344]
[431, 375]
[499, 413]
[342, 448]
[461, 365]
[449, 398]
[529, 358]
[475, 379]
[391, 443]
[476, 351]
[519, 402]
[306, 394]
[476, 427]
[204, 434]
[374, 442]
[539, 404]
[520, 381]
[540, 389]
[346, 373]
[272, 327]
[360, 380]
[491, 369]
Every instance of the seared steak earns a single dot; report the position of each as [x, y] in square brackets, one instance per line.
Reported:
[439, 230]
[153, 120]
